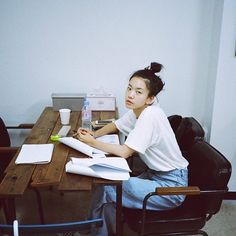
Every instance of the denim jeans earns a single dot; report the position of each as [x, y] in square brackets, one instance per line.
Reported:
[133, 192]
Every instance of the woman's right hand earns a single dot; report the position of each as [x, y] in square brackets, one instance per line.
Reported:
[82, 130]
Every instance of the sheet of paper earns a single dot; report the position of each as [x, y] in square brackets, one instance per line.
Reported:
[113, 168]
[117, 163]
[99, 155]
[77, 145]
[35, 154]
[109, 138]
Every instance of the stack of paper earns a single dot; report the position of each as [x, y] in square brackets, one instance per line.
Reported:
[112, 168]
[35, 154]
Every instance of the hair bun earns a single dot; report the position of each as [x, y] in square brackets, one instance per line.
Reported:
[155, 67]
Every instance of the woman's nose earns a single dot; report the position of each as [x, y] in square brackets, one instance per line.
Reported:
[131, 94]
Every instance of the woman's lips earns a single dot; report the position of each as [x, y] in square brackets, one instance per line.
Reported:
[128, 102]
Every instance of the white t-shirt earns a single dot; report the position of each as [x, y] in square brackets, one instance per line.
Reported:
[153, 138]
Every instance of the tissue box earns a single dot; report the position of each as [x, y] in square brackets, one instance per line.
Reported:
[73, 101]
[99, 102]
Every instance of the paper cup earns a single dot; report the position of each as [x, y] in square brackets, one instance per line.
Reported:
[65, 116]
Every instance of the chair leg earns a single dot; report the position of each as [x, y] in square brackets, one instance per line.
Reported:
[40, 205]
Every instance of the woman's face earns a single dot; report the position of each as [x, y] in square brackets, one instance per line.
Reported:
[136, 97]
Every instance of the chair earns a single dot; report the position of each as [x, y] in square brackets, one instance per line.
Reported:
[187, 132]
[6, 151]
[174, 121]
[209, 173]
[49, 229]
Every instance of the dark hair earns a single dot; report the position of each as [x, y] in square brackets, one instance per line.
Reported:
[152, 81]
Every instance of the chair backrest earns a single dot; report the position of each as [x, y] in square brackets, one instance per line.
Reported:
[187, 132]
[174, 121]
[209, 170]
[48, 229]
[4, 142]
[4, 135]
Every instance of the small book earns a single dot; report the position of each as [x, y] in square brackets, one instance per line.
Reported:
[35, 154]
[88, 150]
[111, 168]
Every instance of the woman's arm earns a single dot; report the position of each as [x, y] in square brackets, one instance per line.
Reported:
[116, 149]
[107, 129]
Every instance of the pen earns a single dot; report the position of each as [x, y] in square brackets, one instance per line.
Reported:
[75, 133]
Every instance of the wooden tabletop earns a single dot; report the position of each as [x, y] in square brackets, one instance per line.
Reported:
[19, 177]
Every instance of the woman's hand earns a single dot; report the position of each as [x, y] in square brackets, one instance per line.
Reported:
[84, 135]
[85, 130]
[87, 137]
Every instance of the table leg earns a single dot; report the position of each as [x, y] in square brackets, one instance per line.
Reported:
[9, 210]
[40, 205]
[119, 221]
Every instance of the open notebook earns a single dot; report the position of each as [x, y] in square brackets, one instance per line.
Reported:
[112, 168]
[88, 150]
[35, 154]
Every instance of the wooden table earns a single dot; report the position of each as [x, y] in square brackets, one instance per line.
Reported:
[20, 177]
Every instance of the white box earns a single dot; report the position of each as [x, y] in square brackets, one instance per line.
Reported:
[102, 102]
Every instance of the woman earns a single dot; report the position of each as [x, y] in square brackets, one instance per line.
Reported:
[150, 135]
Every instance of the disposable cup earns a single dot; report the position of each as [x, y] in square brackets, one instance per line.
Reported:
[65, 116]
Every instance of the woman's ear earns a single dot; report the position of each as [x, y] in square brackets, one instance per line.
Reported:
[150, 100]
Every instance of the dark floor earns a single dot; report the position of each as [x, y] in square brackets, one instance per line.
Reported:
[73, 206]
[70, 206]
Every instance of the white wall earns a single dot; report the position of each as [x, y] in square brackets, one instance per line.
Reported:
[76, 46]
[223, 130]
[212, 64]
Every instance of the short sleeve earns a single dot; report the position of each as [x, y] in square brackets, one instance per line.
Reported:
[143, 134]
[126, 123]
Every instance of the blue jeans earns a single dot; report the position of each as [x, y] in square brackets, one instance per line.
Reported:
[133, 192]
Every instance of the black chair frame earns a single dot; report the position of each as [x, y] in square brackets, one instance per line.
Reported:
[158, 192]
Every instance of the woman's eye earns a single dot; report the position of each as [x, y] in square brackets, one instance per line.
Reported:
[138, 92]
